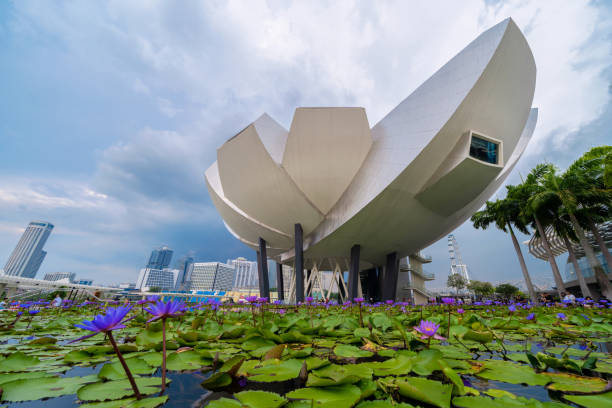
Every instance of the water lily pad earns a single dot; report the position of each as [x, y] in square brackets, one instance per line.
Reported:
[217, 380]
[115, 371]
[566, 382]
[260, 399]
[152, 402]
[424, 390]
[592, 401]
[18, 361]
[348, 351]
[400, 365]
[112, 390]
[513, 373]
[187, 360]
[426, 362]
[504, 402]
[29, 389]
[4, 378]
[383, 404]
[80, 357]
[275, 370]
[340, 396]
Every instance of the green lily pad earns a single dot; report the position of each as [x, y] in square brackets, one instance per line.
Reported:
[513, 373]
[115, 371]
[4, 378]
[152, 402]
[112, 390]
[592, 401]
[217, 380]
[424, 390]
[18, 361]
[80, 357]
[504, 402]
[383, 404]
[400, 365]
[348, 351]
[275, 370]
[566, 382]
[260, 399]
[341, 396]
[426, 362]
[29, 389]
[186, 360]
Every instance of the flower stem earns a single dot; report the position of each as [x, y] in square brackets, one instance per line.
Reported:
[124, 364]
[163, 386]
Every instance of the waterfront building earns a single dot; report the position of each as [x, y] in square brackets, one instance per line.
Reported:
[69, 277]
[163, 279]
[333, 193]
[245, 277]
[210, 276]
[85, 281]
[160, 258]
[28, 255]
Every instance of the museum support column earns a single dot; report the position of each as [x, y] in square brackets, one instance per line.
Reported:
[353, 283]
[299, 264]
[280, 289]
[262, 270]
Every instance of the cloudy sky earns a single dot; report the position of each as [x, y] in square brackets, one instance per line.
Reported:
[110, 111]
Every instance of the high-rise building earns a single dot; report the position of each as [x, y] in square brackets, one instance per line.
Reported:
[164, 279]
[160, 258]
[28, 255]
[85, 281]
[184, 266]
[210, 276]
[69, 277]
[246, 276]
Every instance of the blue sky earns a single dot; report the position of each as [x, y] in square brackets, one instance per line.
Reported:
[111, 111]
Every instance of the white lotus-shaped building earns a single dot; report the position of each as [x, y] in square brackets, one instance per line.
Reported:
[350, 194]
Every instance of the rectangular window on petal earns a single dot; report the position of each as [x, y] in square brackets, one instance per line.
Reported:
[484, 150]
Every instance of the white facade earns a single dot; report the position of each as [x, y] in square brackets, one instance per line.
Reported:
[211, 276]
[246, 275]
[397, 186]
[148, 278]
[56, 276]
[28, 255]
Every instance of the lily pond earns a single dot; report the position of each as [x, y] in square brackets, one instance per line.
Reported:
[262, 355]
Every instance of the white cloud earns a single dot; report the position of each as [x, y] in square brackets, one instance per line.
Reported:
[209, 68]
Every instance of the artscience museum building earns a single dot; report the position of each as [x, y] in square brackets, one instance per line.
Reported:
[337, 193]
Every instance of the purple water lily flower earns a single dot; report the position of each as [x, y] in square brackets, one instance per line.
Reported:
[163, 310]
[309, 299]
[512, 308]
[428, 329]
[448, 301]
[251, 299]
[561, 316]
[460, 311]
[112, 320]
[389, 302]
[33, 312]
[358, 300]
[530, 316]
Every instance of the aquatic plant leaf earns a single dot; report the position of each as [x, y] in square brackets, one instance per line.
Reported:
[340, 396]
[592, 401]
[452, 376]
[42, 341]
[275, 352]
[112, 390]
[424, 390]
[18, 361]
[504, 402]
[275, 370]
[152, 402]
[348, 351]
[152, 358]
[478, 336]
[187, 360]
[216, 381]
[149, 337]
[513, 373]
[4, 378]
[115, 371]
[260, 399]
[566, 382]
[383, 404]
[80, 357]
[30, 389]
[400, 365]
[426, 362]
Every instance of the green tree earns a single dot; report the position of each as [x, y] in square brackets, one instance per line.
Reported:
[481, 289]
[456, 281]
[505, 213]
[506, 290]
[576, 188]
[524, 193]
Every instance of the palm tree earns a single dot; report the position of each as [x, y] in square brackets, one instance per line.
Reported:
[570, 190]
[523, 193]
[504, 213]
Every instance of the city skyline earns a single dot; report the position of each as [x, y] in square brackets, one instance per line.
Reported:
[162, 119]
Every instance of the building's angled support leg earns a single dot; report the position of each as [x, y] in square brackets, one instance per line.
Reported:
[299, 264]
[262, 270]
[280, 287]
[353, 289]
[390, 277]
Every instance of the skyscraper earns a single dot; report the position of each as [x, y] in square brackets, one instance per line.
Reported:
[28, 255]
[160, 258]
[246, 273]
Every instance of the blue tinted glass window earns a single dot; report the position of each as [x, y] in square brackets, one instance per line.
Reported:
[484, 150]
